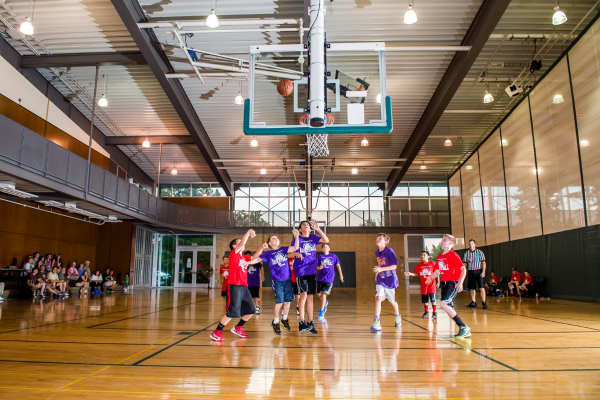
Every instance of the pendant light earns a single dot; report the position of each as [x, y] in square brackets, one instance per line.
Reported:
[174, 170]
[488, 98]
[103, 102]
[364, 142]
[410, 17]
[212, 21]
[146, 143]
[559, 17]
[378, 98]
[239, 100]
[254, 142]
[423, 167]
[557, 99]
[448, 143]
[354, 171]
[584, 143]
[26, 27]
[263, 170]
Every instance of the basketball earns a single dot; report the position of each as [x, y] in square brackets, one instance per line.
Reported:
[285, 87]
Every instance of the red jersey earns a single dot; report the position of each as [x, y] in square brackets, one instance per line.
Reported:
[223, 269]
[424, 271]
[516, 277]
[528, 280]
[494, 279]
[291, 261]
[449, 265]
[238, 275]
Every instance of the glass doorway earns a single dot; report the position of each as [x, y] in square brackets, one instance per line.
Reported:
[194, 266]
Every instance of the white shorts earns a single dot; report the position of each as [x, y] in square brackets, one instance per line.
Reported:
[108, 283]
[385, 293]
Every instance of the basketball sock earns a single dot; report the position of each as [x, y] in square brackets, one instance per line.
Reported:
[284, 317]
[426, 308]
[396, 314]
[241, 323]
[434, 307]
[220, 327]
[458, 321]
[275, 320]
[377, 318]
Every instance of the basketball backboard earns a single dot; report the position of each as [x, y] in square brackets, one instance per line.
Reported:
[355, 90]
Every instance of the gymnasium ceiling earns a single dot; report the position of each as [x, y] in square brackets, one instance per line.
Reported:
[139, 101]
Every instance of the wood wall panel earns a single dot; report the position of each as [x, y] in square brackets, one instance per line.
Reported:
[215, 203]
[31, 121]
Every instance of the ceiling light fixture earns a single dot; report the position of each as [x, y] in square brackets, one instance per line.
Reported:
[212, 21]
[263, 171]
[254, 142]
[146, 143]
[557, 99]
[469, 167]
[354, 171]
[410, 17]
[423, 167]
[103, 102]
[584, 143]
[239, 100]
[503, 143]
[448, 142]
[488, 98]
[174, 170]
[364, 142]
[559, 17]
[378, 98]
[26, 27]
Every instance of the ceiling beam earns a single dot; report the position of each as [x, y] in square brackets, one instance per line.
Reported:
[83, 60]
[131, 13]
[167, 139]
[477, 35]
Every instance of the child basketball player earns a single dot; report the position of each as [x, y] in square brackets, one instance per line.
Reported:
[279, 267]
[306, 272]
[423, 270]
[386, 280]
[453, 272]
[326, 275]
[291, 260]
[239, 299]
[255, 278]
[224, 271]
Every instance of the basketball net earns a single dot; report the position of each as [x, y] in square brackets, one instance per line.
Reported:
[317, 144]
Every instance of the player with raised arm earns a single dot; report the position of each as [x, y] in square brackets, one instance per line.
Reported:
[453, 272]
[325, 265]
[306, 271]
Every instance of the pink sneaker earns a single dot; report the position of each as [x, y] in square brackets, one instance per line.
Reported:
[239, 330]
[216, 336]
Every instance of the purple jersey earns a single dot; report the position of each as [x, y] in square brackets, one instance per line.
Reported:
[254, 275]
[308, 249]
[385, 258]
[327, 273]
[278, 263]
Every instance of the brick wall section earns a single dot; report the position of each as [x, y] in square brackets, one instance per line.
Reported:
[363, 244]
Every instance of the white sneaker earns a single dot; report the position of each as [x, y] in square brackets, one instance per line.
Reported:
[258, 309]
[1, 298]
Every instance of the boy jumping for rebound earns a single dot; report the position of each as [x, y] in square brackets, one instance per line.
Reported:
[306, 271]
[239, 299]
[453, 272]
[423, 270]
[326, 275]
[280, 270]
[386, 280]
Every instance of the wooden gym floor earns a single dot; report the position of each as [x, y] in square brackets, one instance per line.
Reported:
[154, 344]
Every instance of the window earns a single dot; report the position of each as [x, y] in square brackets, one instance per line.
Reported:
[401, 190]
[181, 190]
[201, 189]
[438, 189]
[165, 191]
[418, 190]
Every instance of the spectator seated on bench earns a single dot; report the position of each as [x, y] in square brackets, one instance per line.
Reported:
[516, 280]
[493, 284]
[36, 283]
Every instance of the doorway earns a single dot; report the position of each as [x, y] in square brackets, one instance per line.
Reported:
[193, 264]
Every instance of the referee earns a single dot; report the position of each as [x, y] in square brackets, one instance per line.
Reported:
[475, 261]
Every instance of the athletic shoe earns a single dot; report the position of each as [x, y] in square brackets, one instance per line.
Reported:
[434, 315]
[472, 305]
[216, 336]
[398, 322]
[60, 294]
[1, 298]
[426, 314]
[276, 328]
[239, 330]
[285, 323]
[484, 306]
[464, 332]
[257, 309]
[321, 314]
[42, 295]
[312, 330]
[376, 326]
[303, 326]
[297, 311]
[325, 308]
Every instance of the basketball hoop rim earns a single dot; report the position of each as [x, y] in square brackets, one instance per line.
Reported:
[329, 119]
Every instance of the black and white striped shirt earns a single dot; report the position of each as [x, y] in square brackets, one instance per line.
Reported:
[473, 259]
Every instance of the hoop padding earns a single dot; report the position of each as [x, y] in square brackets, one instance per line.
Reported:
[317, 145]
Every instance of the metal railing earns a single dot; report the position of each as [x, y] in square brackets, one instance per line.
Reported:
[37, 155]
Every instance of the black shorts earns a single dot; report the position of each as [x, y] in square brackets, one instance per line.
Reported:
[307, 284]
[527, 286]
[324, 287]
[294, 289]
[223, 293]
[239, 301]
[475, 279]
[449, 292]
[255, 292]
[426, 298]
